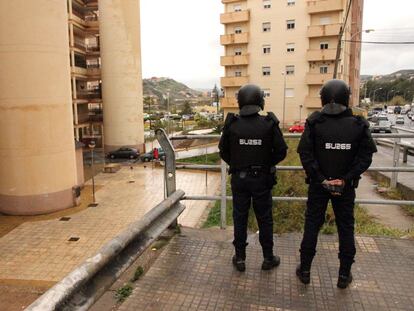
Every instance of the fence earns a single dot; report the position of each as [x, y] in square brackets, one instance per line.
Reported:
[171, 167]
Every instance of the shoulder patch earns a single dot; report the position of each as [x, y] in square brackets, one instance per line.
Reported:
[272, 116]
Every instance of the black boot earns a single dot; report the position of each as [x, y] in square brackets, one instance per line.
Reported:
[239, 259]
[344, 280]
[270, 262]
[303, 275]
[239, 263]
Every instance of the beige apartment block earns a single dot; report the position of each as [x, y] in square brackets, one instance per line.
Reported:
[53, 87]
[288, 48]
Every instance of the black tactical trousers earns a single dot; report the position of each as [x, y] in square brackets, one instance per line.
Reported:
[343, 207]
[247, 188]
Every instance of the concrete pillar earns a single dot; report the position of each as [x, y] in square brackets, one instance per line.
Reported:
[119, 26]
[37, 150]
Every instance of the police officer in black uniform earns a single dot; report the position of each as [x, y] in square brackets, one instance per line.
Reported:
[252, 145]
[335, 149]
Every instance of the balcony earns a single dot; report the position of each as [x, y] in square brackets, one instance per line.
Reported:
[234, 81]
[93, 71]
[235, 17]
[79, 71]
[231, 1]
[321, 6]
[228, 102]
[324, 30]
[234, 60]
[320, 55]
[234, 38]
[313, 102]
[318, 78]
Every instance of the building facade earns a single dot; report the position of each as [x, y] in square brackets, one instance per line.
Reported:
[288, 48]
[56, 79]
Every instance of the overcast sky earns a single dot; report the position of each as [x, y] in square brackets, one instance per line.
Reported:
[181, 39]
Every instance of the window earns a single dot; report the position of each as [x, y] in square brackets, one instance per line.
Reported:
[266, 93]
[237, 73]
[237, 8]
[290, 47]
[324, 20]
[266, 49]
[290, 92]
[267, 4]
[237, 30]
[290, 24]
[290, 70]
[266, 71]
[238, 51]
[291, 2]
[323, 69]
[324, 45]
[266, 27]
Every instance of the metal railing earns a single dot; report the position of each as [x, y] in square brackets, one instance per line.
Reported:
[84, 285]
[170, 162]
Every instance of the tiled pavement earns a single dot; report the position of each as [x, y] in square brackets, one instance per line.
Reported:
[196, 274]
[41, 250]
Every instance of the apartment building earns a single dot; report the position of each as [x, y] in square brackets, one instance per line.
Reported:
[64, 66]
[288, 48]
[85, 62]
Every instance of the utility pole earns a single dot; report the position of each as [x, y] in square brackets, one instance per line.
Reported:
[341, 33]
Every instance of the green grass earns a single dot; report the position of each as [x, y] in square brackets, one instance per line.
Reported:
[209, 159]
[124, 292]
[290, 216]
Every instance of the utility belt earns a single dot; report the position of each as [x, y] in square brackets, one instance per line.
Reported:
[254, 171]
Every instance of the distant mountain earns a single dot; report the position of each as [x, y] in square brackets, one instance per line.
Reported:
[178, 92]
[401, 74]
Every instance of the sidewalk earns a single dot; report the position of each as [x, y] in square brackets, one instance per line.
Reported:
[195, 273]
[42, 250]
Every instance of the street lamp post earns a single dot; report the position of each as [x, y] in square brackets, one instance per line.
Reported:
[284, 100]
[92, 147]
[373, 98]
[390, 91]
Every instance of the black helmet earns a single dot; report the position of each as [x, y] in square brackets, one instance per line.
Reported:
[335, 91]
[251, 99]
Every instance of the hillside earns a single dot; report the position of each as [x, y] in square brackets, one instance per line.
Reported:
[160, 87]
[401, 74]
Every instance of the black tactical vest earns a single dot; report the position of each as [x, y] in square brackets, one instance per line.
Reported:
[336, 141]
[251, 142]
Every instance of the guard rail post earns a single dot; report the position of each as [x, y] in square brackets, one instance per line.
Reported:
[169, 168]
[395, 161]
[223, 203]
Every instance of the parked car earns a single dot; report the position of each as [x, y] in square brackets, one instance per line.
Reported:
[297, 128]
[124, 153]
[400, 120]
[381, 127]
[149, 156]
[397, 109]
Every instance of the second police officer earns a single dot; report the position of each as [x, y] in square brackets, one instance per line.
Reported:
[335, 149]
[252, 145]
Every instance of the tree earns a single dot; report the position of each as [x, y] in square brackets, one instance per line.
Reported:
[398, 101]
[187, 109]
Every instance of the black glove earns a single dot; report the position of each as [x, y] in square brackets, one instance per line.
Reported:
[333, 189]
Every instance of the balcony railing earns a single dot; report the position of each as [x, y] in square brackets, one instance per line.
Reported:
[321, 55]
[88, 95]
[320, 6]
[235, 17]
[313, 102]
[234, 38]
[228, 102]
[318, 78]
[323, 30]
[234, 81]
[234, 60]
